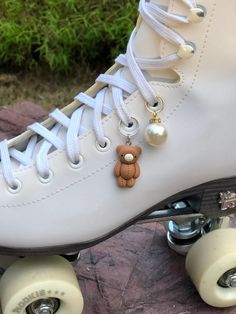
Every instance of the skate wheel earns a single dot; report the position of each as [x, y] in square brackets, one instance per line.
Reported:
[211, 264]
[6, 261]
[36, 285]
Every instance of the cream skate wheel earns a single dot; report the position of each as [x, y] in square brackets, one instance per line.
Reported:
[6, 261]
[211, 264]
[41, 285]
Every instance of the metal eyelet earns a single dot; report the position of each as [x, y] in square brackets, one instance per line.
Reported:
[105, 148]
[78, 164]
[129, 130]
[46, 179]
[186, 51]
[15, 189]
[157, 107]
[197, 15]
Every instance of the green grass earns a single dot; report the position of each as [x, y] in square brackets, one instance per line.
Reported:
[63, 33]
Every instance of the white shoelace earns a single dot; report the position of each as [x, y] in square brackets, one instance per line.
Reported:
[160, 21]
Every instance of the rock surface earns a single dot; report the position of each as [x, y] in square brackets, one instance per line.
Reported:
[133, 272]
[14, 119]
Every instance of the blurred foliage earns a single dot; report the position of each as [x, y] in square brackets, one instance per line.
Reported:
[62, 33]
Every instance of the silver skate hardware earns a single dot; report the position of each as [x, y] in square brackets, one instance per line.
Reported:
[227, 200]
[44, 306]
[228, 280]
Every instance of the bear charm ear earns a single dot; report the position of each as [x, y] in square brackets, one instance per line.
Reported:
[119, 148]
[139, 150]
[127, 169]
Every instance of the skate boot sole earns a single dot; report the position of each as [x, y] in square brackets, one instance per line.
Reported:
[210, 200]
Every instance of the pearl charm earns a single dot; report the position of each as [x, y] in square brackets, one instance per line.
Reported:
[156, 134]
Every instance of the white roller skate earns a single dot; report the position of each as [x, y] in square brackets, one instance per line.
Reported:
[152, 140]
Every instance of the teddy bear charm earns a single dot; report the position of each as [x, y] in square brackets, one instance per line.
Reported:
[127, 169]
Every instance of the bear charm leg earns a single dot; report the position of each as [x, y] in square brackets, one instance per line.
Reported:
[121, 182]
[130, 183]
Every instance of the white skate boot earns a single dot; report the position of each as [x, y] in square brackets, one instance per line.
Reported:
[153, 139]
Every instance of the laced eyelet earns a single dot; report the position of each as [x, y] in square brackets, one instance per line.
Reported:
[131, 129]
[157, 107]
[197, 14]
[46, 179]
[186, 51]
[15, 189]
[106, 147]
[78, 164]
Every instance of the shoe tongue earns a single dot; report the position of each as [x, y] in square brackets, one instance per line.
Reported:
[148, 44]
[145, 34]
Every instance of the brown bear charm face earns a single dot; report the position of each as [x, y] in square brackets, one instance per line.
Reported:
[127, 169]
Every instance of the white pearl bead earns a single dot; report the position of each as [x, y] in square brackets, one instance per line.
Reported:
[156, 134]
